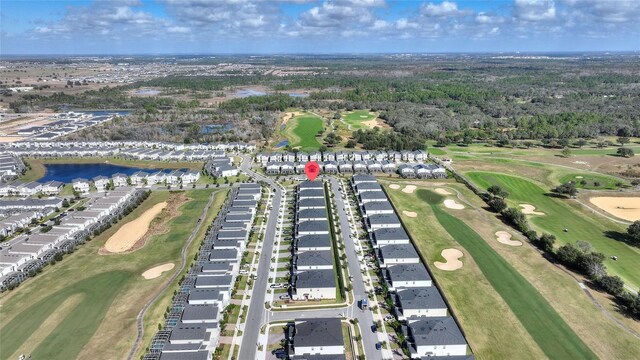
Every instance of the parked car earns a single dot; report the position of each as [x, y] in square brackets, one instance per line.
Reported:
[378, 346]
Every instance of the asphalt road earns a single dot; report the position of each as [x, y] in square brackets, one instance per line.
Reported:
[255, 314]
[365, 318]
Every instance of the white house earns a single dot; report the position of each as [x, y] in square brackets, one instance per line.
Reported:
[81, 185]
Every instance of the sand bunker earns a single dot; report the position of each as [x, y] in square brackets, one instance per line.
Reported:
[505, 238]
[442, 191]
[155, 272]
[363, 116]
[529, 209]
[131, 232]
[452, 256]
[410, 214]
[394, 186]
[409, 189]
[579, 177]
[290, 115]
[627, 208]
[452, 204]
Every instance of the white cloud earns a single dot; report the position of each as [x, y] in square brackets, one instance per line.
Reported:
[535, 10]
[446, 8]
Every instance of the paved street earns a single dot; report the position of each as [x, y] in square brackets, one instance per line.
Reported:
[255, 315]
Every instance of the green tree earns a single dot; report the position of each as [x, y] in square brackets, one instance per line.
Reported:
[625, 152]
[566, 152]
[568, 189]
[634, 231]
[498, 191]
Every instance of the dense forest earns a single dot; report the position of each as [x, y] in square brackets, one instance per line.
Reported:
[450, 99]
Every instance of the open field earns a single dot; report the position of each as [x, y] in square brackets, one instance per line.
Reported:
[38, 169]
[603, 336]
[112, 291]
[547, 328]
[565, 214]
[301, 131]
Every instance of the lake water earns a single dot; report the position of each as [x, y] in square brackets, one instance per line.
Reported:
[67, 172]
[299, 95]
[147, 92]
[249, 92]
[282, 143]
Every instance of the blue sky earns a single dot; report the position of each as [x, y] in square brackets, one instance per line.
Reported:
[316, 26]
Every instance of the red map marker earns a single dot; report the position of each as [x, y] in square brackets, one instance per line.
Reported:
[312, 169]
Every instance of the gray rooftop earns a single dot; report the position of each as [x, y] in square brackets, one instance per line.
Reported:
[185, 355]
[313, 225]
[311, 185]
[318, 332]
[315, 258]
[312, 214]
[408, 272]
[202, 312]
[398, 251]
[390, 234]
[223, 254]
[316, 279]
[204, 294]
[436, 331]
[377, 205]
[420, 298]
[321, 240]
[312, 203]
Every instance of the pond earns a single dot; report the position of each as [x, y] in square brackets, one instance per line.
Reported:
[249, 92]
[282, 143]
[67, 172]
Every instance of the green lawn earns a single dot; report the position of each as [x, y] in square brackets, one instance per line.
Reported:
[564, 214]
[436, 151]
[556, 339]
[99, 285]
[593, 181]
[356, 117]
[301, 131]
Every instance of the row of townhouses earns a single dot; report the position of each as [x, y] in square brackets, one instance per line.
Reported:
[429, 328]
[407, 170]
[220, 166]
[10, 224]
[234, 146]
[364, 155]
[30, 188]
[137, 179]
[11, 166]
[62, 126]
[312, 267]
[29, 252]
[129, 154]
[191, 330]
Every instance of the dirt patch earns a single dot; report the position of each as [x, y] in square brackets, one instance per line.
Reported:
[375, 123]
[409, 189]
[627, 208]
[394, 186]
[452, 257]
[452, 204]
[442, 191]
[529, 209]
[152, 228]
[290, 115]
[504, 237]
[155, 272]
[410, 214]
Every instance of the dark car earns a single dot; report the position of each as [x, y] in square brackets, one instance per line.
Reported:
[374, 327]
[378, 346]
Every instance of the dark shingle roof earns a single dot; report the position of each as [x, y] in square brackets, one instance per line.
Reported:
[321, 240]
[436, 331]
[420, 298]
[408, 272]
[390, 234]
[316, 279]
[398, 251]
[315, 258]
[318, 332]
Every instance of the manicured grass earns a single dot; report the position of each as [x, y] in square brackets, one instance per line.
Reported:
[112, 292]
[592, 181]
[544, 324]
[301, 131]
[564, 214]
[436, 151]
[356, 117]
[491, 328]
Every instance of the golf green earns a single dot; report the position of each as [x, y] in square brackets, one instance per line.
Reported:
[556, 339]
[302, 130]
